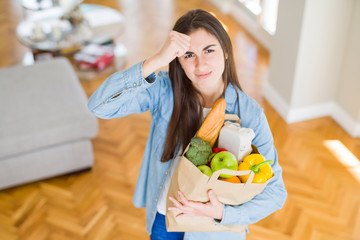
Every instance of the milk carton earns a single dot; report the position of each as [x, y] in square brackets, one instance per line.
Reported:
[236, 139]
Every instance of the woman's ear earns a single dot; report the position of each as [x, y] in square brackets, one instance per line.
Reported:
[226, 56]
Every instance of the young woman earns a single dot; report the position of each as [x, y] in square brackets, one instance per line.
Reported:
[201, 70]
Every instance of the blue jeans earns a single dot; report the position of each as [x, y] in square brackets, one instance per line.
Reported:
[159, 231]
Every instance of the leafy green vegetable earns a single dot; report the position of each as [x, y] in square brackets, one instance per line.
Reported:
[198, 152]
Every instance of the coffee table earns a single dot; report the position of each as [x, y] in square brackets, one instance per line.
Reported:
[48, 35]
[48, 31]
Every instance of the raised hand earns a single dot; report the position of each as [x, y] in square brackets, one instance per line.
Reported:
[176, 45]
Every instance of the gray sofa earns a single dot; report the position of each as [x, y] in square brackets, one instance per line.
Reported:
[45, 125]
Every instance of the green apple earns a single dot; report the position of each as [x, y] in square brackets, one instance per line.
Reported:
[205, 170]
[224, 160]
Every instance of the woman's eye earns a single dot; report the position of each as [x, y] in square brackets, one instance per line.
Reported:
[209, 50]
[189, 55]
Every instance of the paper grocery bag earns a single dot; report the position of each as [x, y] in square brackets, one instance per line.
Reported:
[188, 179]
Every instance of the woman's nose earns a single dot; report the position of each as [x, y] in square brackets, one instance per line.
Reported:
[200, 62]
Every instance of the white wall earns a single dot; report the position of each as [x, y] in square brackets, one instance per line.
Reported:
[314, 62]
[322, 42]
[315, 72]
[348, 96]
[285, 48]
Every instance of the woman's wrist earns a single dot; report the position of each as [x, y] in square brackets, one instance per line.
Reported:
[150, 65]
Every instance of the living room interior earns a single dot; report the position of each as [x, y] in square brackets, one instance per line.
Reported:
[66, 175]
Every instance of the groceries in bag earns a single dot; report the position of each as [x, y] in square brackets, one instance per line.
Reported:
[234, 143]
[195, 181]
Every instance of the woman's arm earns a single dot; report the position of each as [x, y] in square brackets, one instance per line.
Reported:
[273, 196]
[124, 93]
[129, 91]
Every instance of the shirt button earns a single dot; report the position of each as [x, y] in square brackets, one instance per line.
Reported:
[166, 173]
[155, 199]
[161, 187]
[134, 84]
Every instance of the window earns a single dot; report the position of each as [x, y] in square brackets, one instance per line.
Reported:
[265, 12]
[253, 5]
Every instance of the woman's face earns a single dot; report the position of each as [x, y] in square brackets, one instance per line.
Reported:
[204, 62]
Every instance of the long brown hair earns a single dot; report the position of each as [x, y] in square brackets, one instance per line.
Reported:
[187, 112]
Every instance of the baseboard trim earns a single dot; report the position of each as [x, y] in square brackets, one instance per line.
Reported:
[292, 115]
[310, 112]
[345, 120]
[276, 101]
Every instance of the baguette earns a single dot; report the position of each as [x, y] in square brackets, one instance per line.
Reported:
[210, 128]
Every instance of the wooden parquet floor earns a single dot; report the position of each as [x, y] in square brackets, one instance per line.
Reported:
[320, 160]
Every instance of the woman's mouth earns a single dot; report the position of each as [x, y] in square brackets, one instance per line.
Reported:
[203, 75]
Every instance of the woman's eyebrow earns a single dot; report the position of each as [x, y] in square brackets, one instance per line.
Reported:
[205, 48]
[209, 46]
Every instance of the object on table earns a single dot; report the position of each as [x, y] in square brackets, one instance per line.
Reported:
[94, 56]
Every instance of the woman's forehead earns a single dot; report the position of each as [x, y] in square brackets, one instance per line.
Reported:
[201, 38]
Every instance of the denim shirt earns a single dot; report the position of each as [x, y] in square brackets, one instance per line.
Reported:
[127, 92]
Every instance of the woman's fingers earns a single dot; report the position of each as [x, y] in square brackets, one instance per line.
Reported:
[213, 208]
[182, 38]
[212, 197]
[183, 198]
[177, 204]
[175, 46]
[182, 206]
[180, 43]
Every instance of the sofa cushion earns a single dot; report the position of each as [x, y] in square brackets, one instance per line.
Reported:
[42, 105]
[47, 162]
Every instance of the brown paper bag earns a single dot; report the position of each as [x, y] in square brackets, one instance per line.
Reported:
[188, 179]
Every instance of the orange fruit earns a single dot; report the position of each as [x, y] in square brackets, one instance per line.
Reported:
[233, 179]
